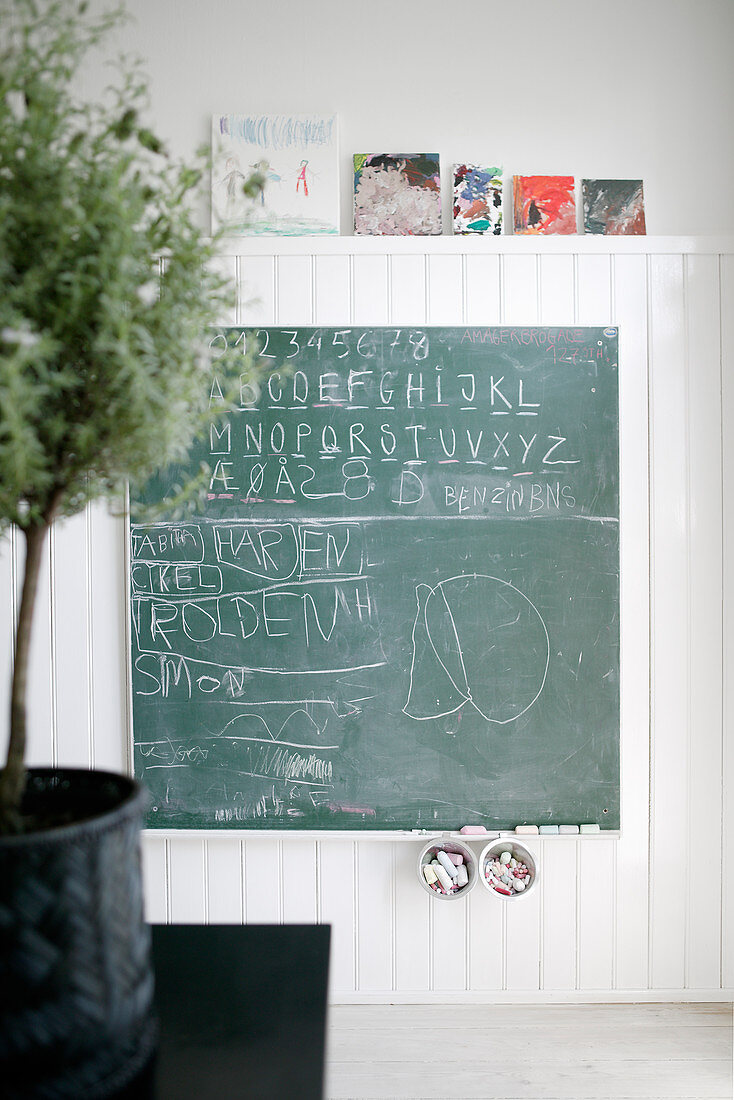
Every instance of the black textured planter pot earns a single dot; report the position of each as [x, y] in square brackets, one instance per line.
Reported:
[76, 983]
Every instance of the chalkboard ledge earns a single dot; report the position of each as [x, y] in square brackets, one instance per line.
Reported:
[295, 834]
[446, 243]
[360, 835]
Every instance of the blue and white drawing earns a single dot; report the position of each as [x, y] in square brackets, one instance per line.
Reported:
[297, 154]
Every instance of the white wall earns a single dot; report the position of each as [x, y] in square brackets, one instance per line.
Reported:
[645, 916]
[622, 88]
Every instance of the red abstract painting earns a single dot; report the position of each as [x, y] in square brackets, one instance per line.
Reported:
[544, 204]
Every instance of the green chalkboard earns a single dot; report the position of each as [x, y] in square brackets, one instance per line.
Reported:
[399, 608]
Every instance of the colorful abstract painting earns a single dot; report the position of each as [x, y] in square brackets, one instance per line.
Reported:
[298, 154]
[397, 193]
[544, 204]
[613, 206]
[477, 199]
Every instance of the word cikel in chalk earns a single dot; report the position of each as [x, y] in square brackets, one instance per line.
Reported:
[446, 873]
[507, 875]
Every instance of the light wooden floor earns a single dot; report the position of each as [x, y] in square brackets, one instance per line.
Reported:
[524, 1052]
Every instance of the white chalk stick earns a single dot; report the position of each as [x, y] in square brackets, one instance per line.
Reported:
[526, 830]
[568, 830]
[446, 863]
[442, 875]
[589, 829]
[462, 879]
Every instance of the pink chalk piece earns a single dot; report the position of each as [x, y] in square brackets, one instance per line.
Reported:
[344, 808]
[472, 830]
[456, 858]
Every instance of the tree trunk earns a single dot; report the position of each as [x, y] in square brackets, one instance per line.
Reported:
[12, 777]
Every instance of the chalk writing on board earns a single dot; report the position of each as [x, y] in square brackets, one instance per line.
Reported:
[450, 669]
[400, 604]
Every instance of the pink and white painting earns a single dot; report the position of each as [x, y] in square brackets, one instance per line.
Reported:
[397, 193]
[297, 154]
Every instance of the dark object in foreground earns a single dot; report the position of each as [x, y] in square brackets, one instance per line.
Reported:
[242, 1010]
[76, 985]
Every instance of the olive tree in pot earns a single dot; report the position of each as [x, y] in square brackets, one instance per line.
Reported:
[106, 292]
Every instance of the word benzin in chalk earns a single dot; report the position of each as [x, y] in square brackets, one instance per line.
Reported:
[399, 606]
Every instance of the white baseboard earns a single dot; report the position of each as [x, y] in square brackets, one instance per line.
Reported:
[542, 997]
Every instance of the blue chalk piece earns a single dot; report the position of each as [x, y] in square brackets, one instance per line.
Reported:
[549, 830]
[568, 830]
[589, 829]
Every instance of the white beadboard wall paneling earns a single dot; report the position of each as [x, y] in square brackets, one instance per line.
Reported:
[375, 910]
[256, 290]
[294, 291]
[520, 290]
[486, 939]
[107, 637]
[226, 268]
[523, 931]
[41, 743]
[333, 295]
[593, 290]
[670, 516]
[559, 913]
[413, 914]
[726, 299]
[225, 880]
[187, 880]
[630, 298]
[557, 290]
[71, 621]
[449, 945]
[299, 870]
[445, 290]
[407, 288]
[596, 879]
[263, 880]
[371, 290]
[482, 289]
[704, 762]
[337, 906]
[155, 878]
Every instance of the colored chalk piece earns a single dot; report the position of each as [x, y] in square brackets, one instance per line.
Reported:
[473, 830]
[589, 829]
[568, 830]
[429, 874]
[526, 830]
[507, 867]
[442, 875]
[448, 866]
[453, 865]
[549, 830]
